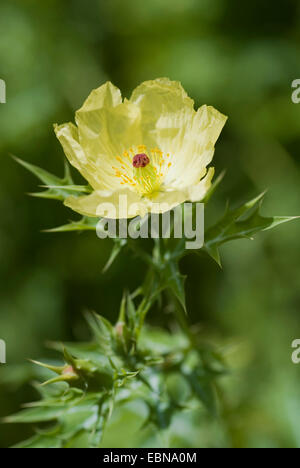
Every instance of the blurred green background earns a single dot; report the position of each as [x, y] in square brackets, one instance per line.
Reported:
[240, 57]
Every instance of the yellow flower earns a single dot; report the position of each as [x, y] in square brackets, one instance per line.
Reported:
[152, 149]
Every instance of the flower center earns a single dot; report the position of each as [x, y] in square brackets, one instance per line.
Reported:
[142, 170]
[140, 160]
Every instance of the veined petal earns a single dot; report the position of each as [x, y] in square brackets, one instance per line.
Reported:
[105, 96]
[166, 200]
[197, 150]
[67, 135]
[107, 127]
[164, 106]
[161, 95]
[114, 205]
[211, 122]
[198, 191]
[170, 122]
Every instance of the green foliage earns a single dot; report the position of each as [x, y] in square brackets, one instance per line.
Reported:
[57, 188]
[85, 224]
[240, 223]
[118, 366]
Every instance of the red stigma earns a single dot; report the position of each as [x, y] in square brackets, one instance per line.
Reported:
[140, 160]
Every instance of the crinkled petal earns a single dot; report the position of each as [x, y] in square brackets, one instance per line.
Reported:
[197, 150]
[115, 205]
[165, 111]
[160, 95]
[165, 201]
[107, 127]
[169, 121]
[198, 191]
[105, 96]
[124, 203]
[67, 134]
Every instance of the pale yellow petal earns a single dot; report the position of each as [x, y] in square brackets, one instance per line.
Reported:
[67, 135]
[107, 127]
[115, 205]
[197, 150]
[161, 95]
[166, 200]
[165, 110]
[106, 96]
[211, 122]
[198, 191]
[170, 123]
